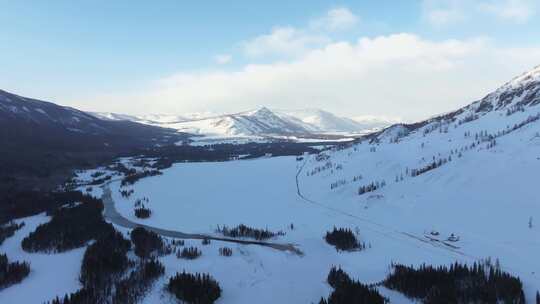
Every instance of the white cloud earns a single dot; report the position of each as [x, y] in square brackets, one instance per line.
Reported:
[292, 41]
[513, 10]
[442, 17]
[223, 58]
[440, 13]
[336, 19]
[400, 75]
[287, 41]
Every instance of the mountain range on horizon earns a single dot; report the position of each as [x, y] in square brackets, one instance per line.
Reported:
[260, 122]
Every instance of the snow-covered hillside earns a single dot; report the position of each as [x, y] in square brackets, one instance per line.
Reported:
[471, 176]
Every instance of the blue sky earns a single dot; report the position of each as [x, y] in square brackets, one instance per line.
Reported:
[175, 57]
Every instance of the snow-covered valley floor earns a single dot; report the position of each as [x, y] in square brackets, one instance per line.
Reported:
[486, 196]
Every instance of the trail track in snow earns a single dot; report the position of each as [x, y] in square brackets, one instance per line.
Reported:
[383, 230]
[111, 214]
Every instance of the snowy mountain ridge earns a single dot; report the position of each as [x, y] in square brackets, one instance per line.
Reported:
[259, 122]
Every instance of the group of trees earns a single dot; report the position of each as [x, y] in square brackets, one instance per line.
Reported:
[136, 285]
[371, 187]
[102, 274]
[134, 177]
[147, 243]
[468, 118]
[343, 239]
[514, 108]
[126, 193]
[479, 283]
[328, 165]
[338, 183]
[248, 232]
[12, 273]
[8, 230]
[71, 226]
[105, 261]
[189, 253]
[348, 291]
[225, 251]
[433, 165]
[194, 288]
[142, 212]
[100, 180]
[18, 204]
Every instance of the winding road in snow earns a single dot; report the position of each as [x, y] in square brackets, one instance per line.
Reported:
[111, 214]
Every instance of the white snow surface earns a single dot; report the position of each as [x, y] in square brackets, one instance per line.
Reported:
[485, 196]
[50, 275]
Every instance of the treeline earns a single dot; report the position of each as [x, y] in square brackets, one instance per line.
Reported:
[479, 283]
[102, 274]
[71, 226]
[104, 263]
[8, 230]
[18, 204]
[371, 187]
[248, 232]
[141, 211]
[133, 288]
[343, 239]
[348, 291]
[133, 178]
[225, 251]
[100, 180]
[12, 273]
[147, 243]
[194, 288]
[168, 155]
[433, 165]
[189, 253]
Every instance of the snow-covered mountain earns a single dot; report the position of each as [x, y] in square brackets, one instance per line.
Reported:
[31, 116]
[463, 173]
[39, 136]
[326, 122]
[519, 96]
[260, 122]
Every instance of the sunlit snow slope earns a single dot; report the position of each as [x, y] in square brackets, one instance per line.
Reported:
[472, 173]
